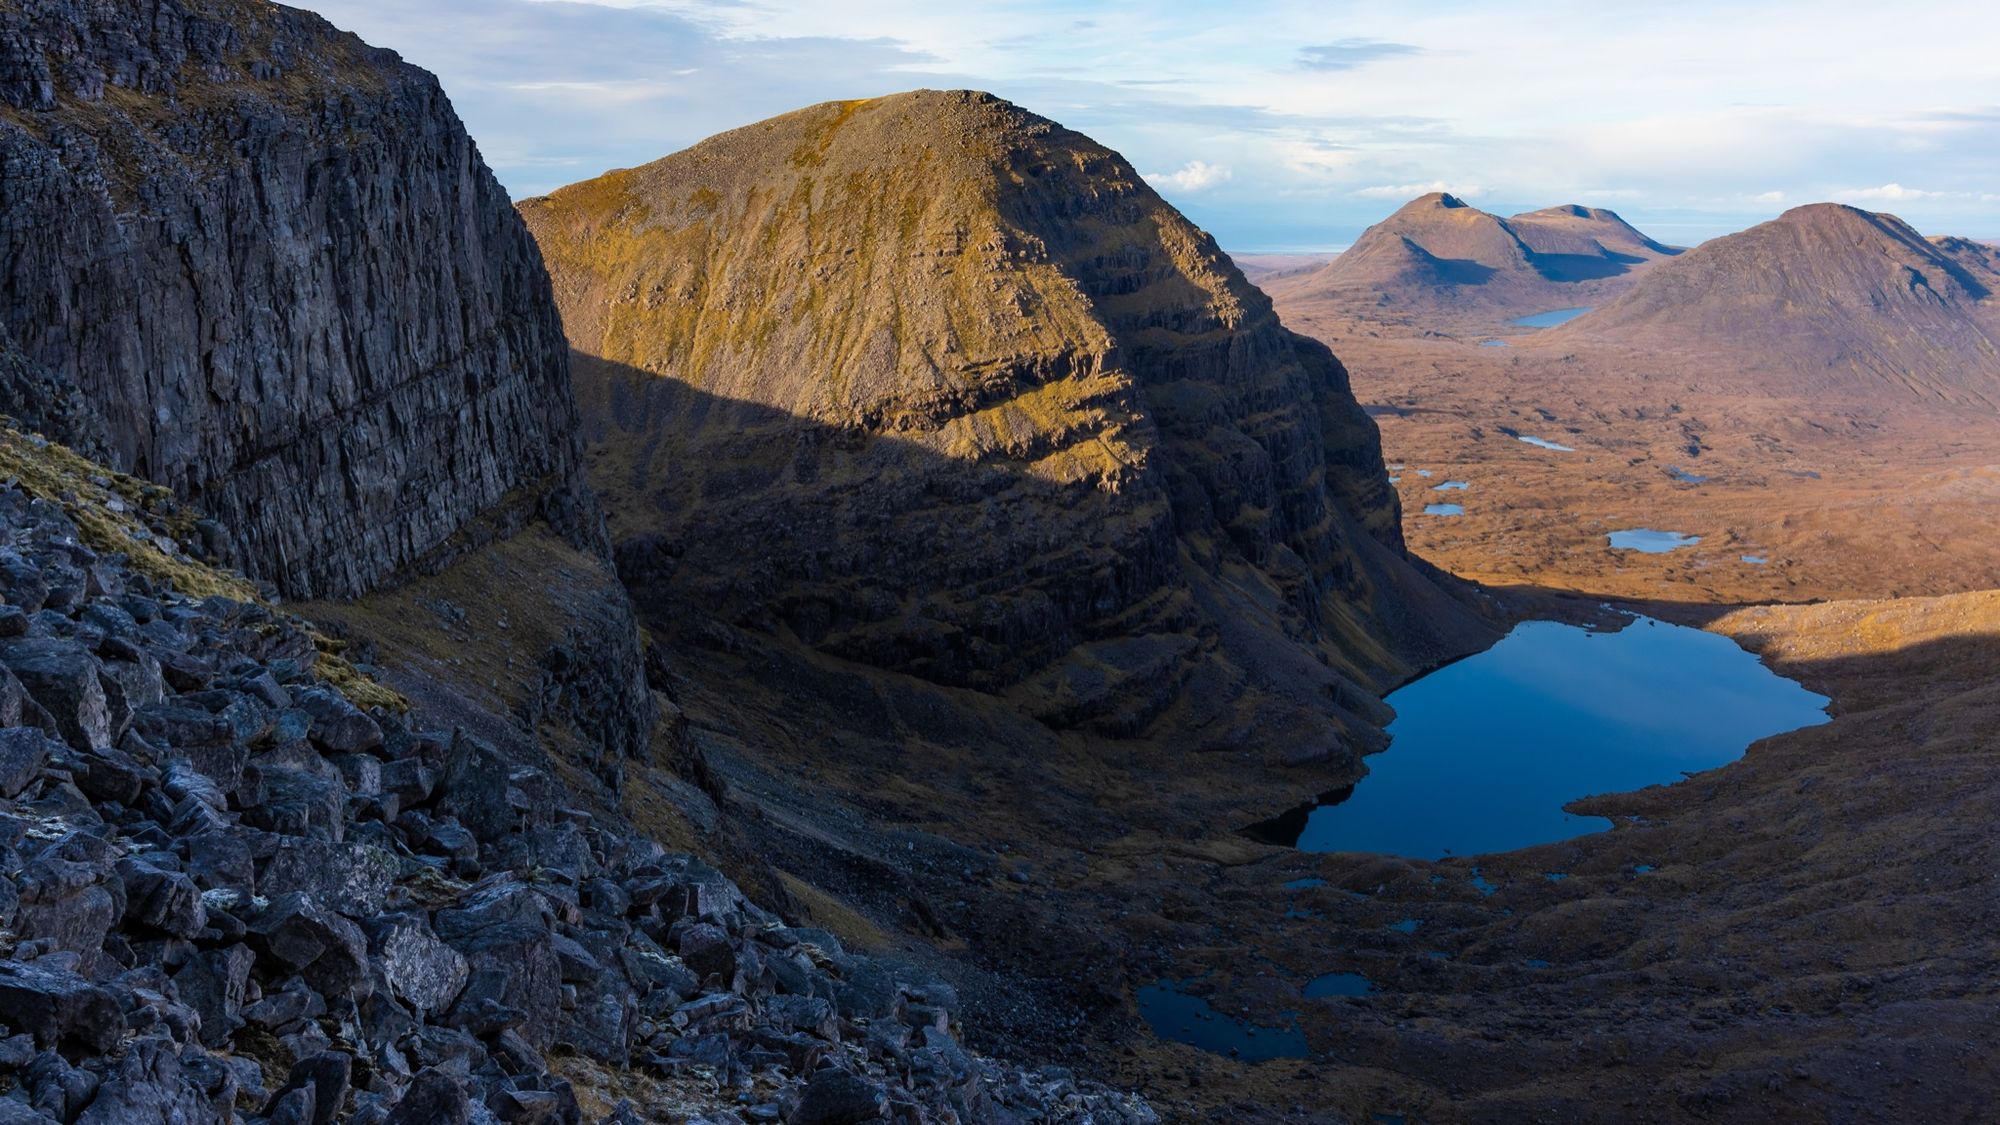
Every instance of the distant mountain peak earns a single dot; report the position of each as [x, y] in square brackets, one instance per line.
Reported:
[1826, 298]
[1438, 252]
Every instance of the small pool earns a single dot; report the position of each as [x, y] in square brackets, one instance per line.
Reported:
[1492, 343]
[1339, 984]
[1544, 443]
[1684, 476]
[1650, 541]
[1487, 751]
[1756, 560]
[1444, 509]
[1452, 486]
[1176, 1014]
[1551, 318]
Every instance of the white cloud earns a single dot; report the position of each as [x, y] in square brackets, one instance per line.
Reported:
[1195, 175]
[1887, 193]
[1411, 191]
[1897, 193]
[1710, 134]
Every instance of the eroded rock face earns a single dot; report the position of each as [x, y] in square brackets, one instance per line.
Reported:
[249, 256]
[936, 385]
[272, 263]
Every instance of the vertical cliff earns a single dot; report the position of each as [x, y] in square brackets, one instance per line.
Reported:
[246, 255]
[273, 262]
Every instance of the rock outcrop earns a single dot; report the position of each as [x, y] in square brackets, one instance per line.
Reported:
[1824, 301]
[250, 257]
[232, 892]
[935, 385]
[1438, 257]
[272, 263]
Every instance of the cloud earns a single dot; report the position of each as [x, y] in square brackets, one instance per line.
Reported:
[1533, 105]
[1888, 193]
[1411, 191]
[1195, 175]
[1351, 54]
[1897, 193]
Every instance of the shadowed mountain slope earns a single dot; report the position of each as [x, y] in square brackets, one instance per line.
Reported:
[933, 384]
[1439, 254]
[1824, 300]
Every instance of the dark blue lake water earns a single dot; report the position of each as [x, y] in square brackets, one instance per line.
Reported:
[1488, 750]
[1550, 319]
[1338, 984]
[1175, 1014]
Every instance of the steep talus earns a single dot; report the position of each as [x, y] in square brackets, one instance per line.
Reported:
[243, 883]
[1824, 300]
[1438, 256]
[261, 262]
[933, 384]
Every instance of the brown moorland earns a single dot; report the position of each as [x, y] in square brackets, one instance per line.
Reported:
[1808, 939]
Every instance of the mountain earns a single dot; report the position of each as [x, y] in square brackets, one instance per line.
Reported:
[261, 263]
[1260, 268]
[262, 873]
[1439, 255]
[936, 386]
[1823, 300]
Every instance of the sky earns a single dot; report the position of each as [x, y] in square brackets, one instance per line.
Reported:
[1283, 126]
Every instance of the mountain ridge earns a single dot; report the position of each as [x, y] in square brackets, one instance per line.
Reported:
[1825, 299]
[1438, 255]
[966, 290]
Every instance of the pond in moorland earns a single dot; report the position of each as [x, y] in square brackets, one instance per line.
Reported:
[1338, 984]
[1444, 509]
[1451, 486]
[1487, 751]
[1544, 443]
[1551, 318]
[1650, 541]
[1177, 1014]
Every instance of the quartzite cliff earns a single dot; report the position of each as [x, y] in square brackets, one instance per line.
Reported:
[252, 258]
[271, 262]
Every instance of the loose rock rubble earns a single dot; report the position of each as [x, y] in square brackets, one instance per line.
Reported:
[234, 895]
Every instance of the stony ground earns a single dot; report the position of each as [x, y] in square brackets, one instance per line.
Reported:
[232, 893]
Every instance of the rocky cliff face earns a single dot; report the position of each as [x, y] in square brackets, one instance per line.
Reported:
[271, 260]
[936, 385]
[247, 255]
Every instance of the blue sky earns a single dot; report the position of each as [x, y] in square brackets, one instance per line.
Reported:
[1282, 125]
